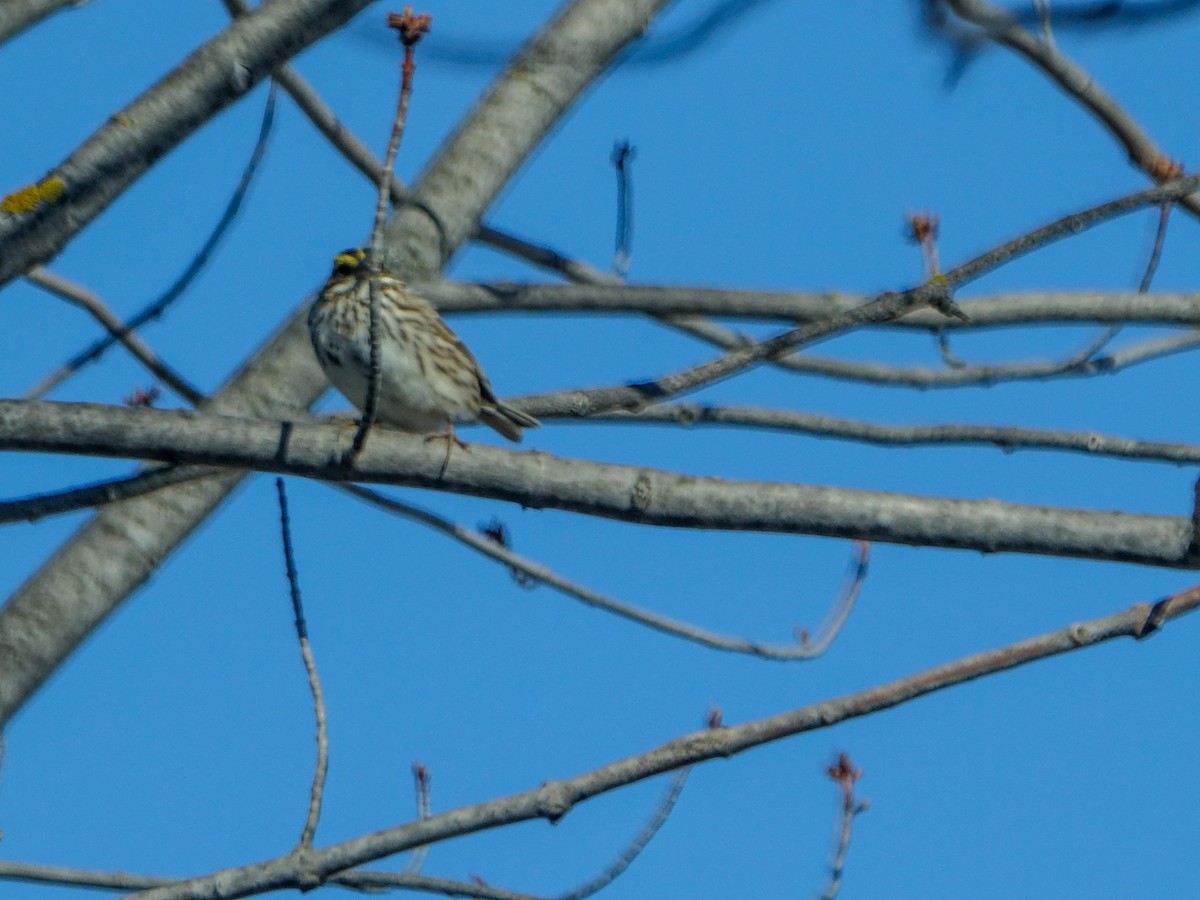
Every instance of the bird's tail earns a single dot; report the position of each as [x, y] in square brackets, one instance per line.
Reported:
[506, 420]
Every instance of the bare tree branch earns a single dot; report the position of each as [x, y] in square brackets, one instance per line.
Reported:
[1079, 364]
[18, 15]
[1059, 308]
[555, 799]
[846, 776]
[1002, 437]
[38, 506]
[1001, 27]
[360, 156]
[1007, 438]
[808, 649]
[637, 845]
[1084, 363]
[118, 330]
[375, 247]
[224, 69]
[424, 811]
[317, 793]
[373, 882]
[625, 493]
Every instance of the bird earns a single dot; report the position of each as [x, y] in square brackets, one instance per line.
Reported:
[428, 381]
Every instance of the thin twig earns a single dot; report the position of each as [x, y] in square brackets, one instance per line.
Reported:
[1144, 352]
[357, 153]
[1174, 190]
[314, 681]
[1003, 28]
[1006, 438]
[1042, 8]
[65, 877]
[411, 29]
[53, 503]
[1077, 365]
[923, 229]
[806, 649]
[118, 330]
[622, 155]
[158, 306]
[1107, 364]
[367, 881]
[846, 777]
[1160, 237]
[638, 844]
[946, 352]
[375, 882]
[544, 257]
[424, 811]
[840, 611]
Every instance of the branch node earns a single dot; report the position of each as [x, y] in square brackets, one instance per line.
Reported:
[306, 877]
[1156, 615]
[412, 27]
[1193, 548]
[553, 801]
[639, 496]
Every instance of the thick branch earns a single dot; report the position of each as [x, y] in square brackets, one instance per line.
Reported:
[134, 139]
[17, 15]
[1059, 308]
[630, 494]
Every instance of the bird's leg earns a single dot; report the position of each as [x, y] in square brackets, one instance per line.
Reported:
[451, 439]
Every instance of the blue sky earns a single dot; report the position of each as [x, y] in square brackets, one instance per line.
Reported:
[782, 154]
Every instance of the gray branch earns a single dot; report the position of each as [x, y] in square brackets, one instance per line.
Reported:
[1059, 308]
[626, 493]
[210, 79]
[1092, 443]
[802, 650]
[1074, 365]
[1077, 83]
[18, 15]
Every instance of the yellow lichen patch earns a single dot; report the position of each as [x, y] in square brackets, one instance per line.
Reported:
[27, 199]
